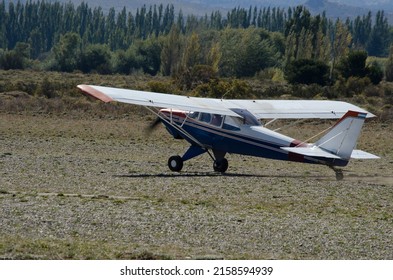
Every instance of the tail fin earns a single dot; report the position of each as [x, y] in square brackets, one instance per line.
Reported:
[339, 142]
[341, 139]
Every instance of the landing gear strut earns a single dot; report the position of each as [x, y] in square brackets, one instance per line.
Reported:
[220, 163]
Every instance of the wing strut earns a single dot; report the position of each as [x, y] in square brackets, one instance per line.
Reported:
[177, 127]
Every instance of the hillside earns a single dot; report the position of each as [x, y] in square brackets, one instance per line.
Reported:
[341, 10]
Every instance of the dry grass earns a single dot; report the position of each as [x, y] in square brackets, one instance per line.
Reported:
[94, 187]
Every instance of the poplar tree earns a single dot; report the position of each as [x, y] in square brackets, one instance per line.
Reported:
[341, 39]
[389, 66]
[192, 52]
[214, 57]
[379, 38]
[171, 52]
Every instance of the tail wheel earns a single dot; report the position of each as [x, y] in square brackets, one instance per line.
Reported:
[220, 165]
[339, 175]
[175, 163]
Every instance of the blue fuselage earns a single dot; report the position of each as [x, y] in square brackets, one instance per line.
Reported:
[231, 135]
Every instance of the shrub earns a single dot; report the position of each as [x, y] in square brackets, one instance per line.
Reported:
[162, 87]
[373, 91]
[306, 91]
[389, 66]
[307, 71]
[96, 58]
[47, 88]
[356, 85]
[229, 89]
[272, 73]
[354, 65]
[375, 73]
[197, 75]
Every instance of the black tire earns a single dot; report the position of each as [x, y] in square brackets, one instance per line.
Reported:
[339, 175]
[221, 165]
[175, 163]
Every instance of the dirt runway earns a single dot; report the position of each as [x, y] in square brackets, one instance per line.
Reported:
[94, 188]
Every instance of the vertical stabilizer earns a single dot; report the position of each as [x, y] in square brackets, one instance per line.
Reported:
[342, 138]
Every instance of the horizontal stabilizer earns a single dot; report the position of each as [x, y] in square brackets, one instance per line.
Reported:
[358, 154]
[311, 152]
[318, 152]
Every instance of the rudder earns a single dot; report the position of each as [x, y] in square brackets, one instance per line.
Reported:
[342, 138]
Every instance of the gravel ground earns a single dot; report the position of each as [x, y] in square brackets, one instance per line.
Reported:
[98, 188]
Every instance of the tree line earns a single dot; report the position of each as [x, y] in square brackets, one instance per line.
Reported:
[156, 39]
[42, 23]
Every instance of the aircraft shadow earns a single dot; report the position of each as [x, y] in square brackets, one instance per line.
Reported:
[185, 174]
[214, 174]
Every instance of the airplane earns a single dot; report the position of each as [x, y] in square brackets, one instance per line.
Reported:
[221, 126]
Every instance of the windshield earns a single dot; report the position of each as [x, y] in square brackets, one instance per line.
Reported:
[248, 118]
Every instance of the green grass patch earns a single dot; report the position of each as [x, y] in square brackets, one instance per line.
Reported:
[24, 248]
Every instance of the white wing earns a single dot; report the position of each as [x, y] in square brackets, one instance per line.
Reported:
[298, 109]
[160, 100]
[262, 109]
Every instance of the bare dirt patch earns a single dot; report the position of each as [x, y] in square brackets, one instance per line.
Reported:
[98, 188]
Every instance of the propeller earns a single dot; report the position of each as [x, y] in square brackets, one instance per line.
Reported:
[152, 126]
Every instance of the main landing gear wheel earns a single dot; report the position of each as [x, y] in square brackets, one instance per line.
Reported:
[175, 163]
[220, 165]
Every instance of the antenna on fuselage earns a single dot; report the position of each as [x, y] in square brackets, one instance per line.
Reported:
[228, 91]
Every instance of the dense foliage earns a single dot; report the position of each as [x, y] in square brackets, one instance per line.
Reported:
[156, 39]
[307, 71]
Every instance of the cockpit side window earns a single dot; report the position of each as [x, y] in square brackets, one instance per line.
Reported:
[193, 115]
[213, 119]
[205, 117]
[216, 120]
[232, 123]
